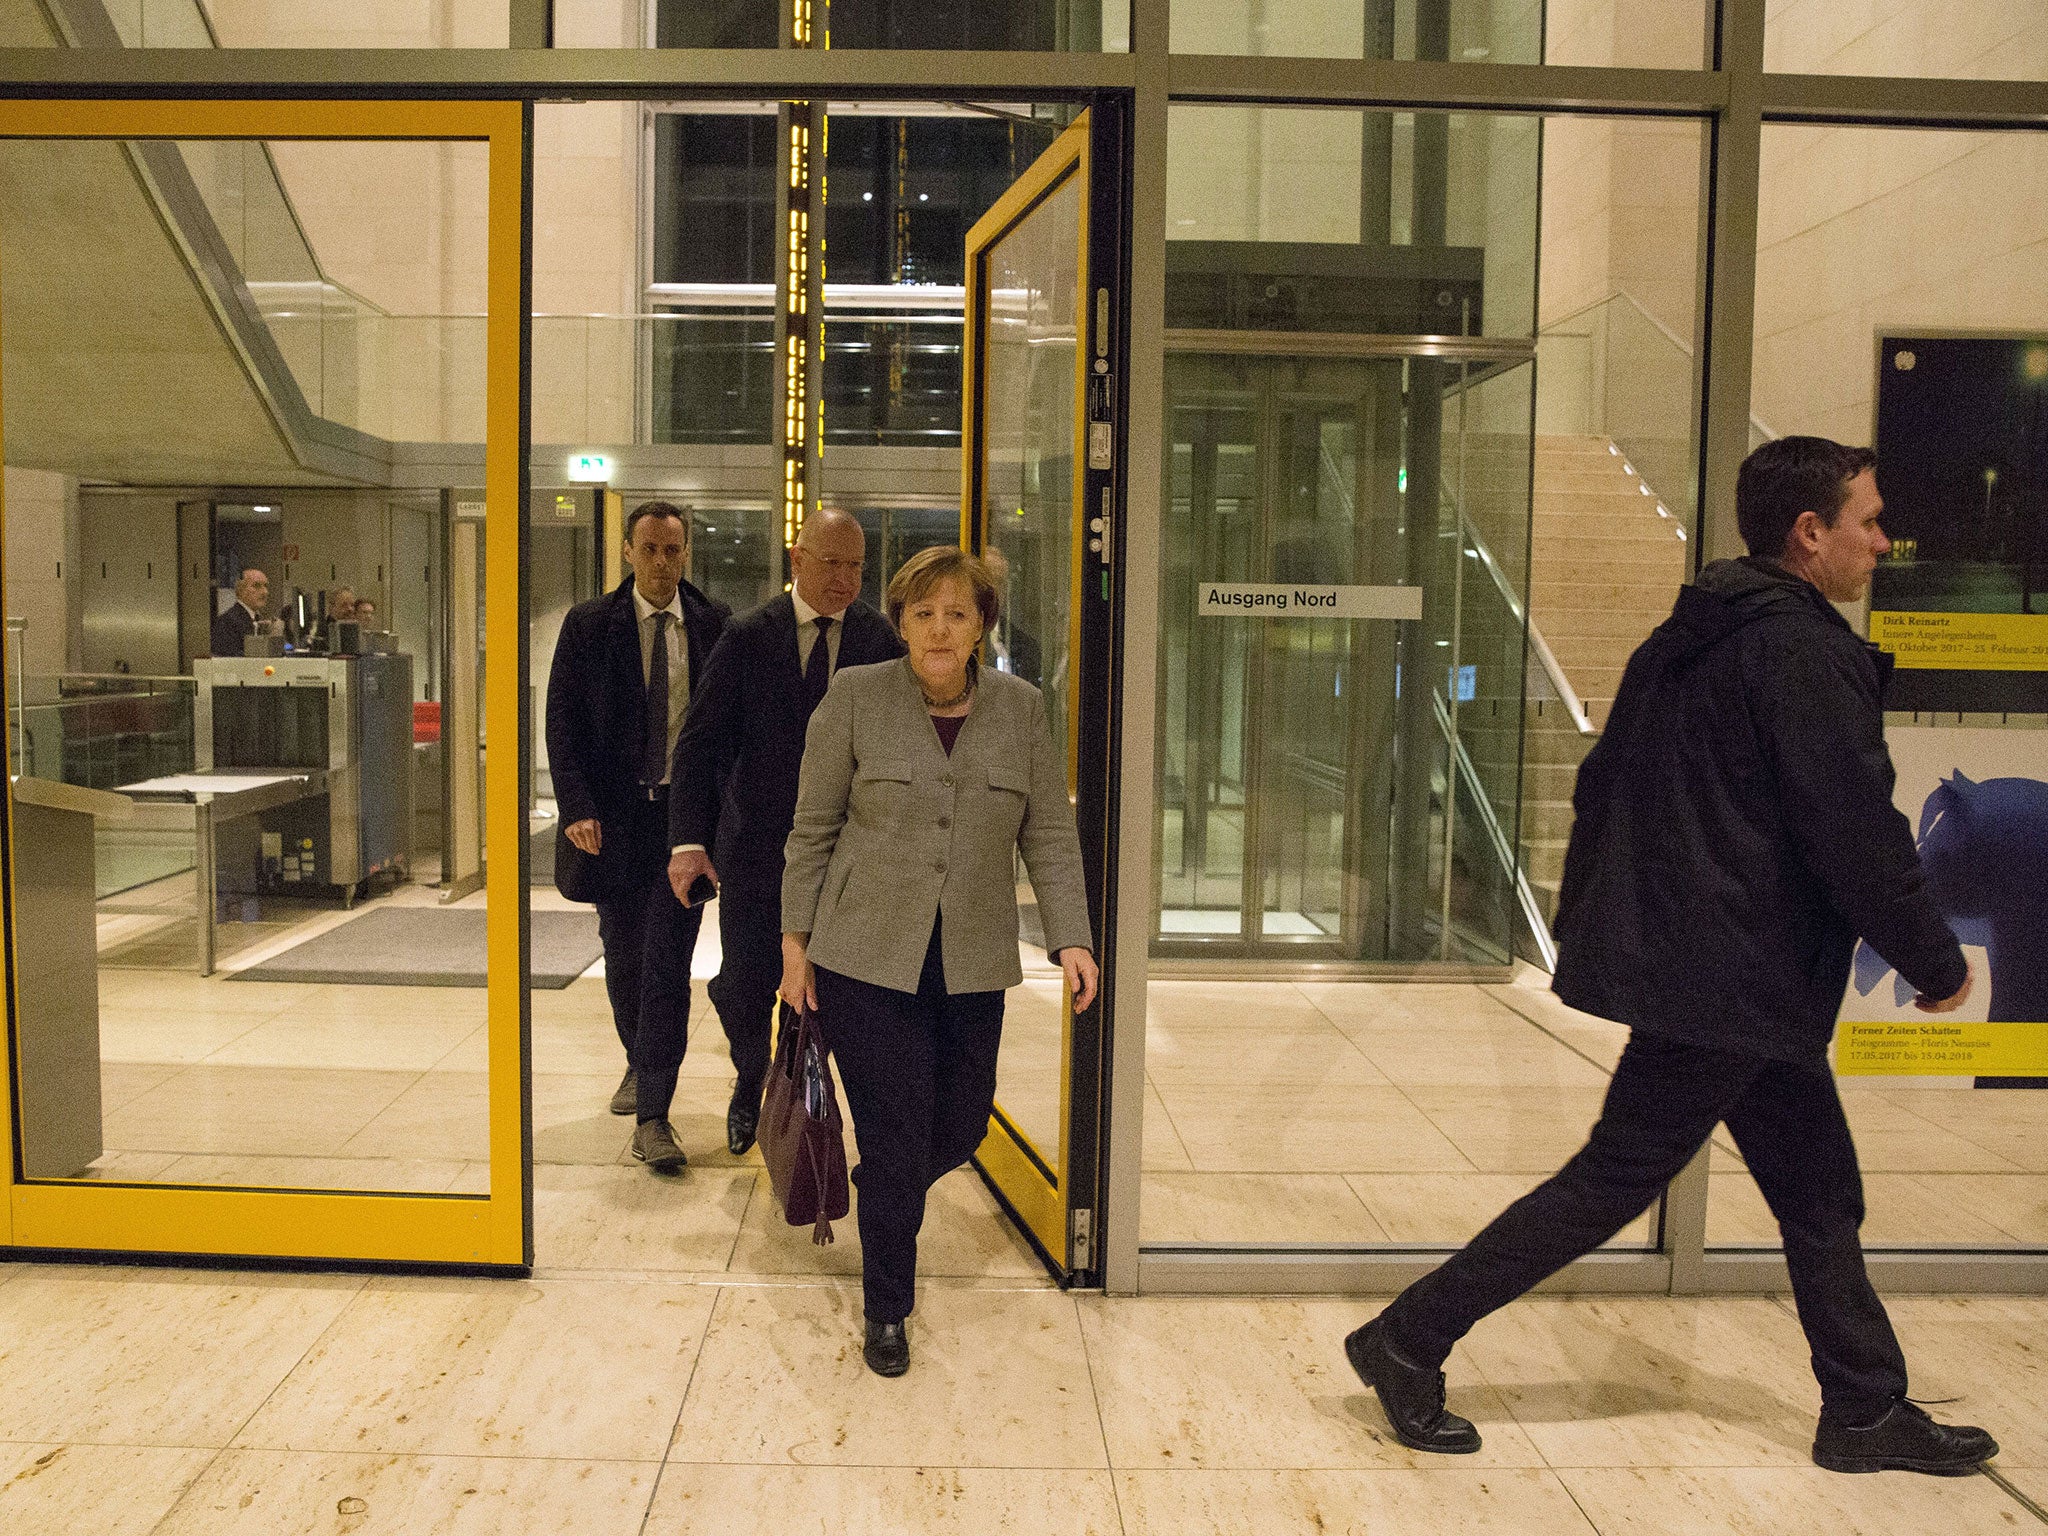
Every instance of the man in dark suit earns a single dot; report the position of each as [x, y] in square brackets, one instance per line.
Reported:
[736, 770]
[236, 622]
[624, 669]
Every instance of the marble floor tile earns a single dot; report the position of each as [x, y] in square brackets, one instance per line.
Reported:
[1900, 1213]
[1632, 1381]
[696, 1500]
[997, 1379]
[472, 1053]
[578, 1369]
[259, 1110]
[2015, 1203]
[1983, 1351]
[1914, 1146]
[573, 1045]
[401, 1037]
[1324, 1128]
[1512, 1130]
[162, 1037]
[181, 990]
[1420, 1008]
[573, 1122]
[614, 1216]
[133, 1357]
[266, 1493]
[1230, 1053]
[966, 1236]
[1771, 1501]
[1528, 1061]
[1163, 1148]
[129, 1167]
[440, 1115]
[1249, 1005]
[404, 1175]
[1254, 1208]
[1451, 1208]
[474, 1179]
[1259, 1385]
[122, 1082]
[1500, 1502]
[109, 1490]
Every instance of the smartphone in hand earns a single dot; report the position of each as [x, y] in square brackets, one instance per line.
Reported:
[702, 889]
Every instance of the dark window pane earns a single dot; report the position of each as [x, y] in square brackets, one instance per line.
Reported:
[714, 198]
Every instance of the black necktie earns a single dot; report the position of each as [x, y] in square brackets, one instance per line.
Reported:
[654, 757]
[818, 670]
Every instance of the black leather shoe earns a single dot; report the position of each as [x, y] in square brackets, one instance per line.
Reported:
[626, 1097]
[887, 1350]
[1904, 1440]
[742, 1121]
[1412, 1396]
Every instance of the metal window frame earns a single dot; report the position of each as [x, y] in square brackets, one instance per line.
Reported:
[1730, 92]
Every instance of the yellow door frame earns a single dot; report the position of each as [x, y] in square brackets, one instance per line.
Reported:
[1008, 1156]
[455, 1229]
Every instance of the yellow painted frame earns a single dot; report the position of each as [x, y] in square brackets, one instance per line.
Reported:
[1008, 1156]
[341, 1225]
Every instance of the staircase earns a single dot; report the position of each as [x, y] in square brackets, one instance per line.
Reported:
[1604, 568]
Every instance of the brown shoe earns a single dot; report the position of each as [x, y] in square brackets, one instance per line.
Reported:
[626, 1097]
[654, 1144]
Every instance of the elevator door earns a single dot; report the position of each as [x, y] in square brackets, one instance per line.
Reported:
[1307, 811]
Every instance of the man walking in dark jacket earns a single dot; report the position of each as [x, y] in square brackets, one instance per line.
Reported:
[624, 669]
[1735, 835]
[737, 762]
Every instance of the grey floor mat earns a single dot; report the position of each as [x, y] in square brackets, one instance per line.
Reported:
[429, 947]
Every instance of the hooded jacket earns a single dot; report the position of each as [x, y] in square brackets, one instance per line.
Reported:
[1736, 832]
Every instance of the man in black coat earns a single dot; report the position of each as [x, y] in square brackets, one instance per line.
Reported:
[624, 669]
[236, 622]
[736, 764]
[1735, 835]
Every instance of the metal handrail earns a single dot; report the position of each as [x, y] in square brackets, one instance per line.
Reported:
[1539, 648]
[1525, 894]
[1555, 328]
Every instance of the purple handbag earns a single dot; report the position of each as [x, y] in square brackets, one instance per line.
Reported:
[802, 1136]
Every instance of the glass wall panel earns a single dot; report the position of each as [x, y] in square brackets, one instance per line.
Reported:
[256, 24]
[1940, 39]
[233, 720]
[1641, 34]
[1914, 315]
[1386, 371]
[1089, 26]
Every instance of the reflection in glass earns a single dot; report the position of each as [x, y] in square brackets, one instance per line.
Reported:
[229, 715]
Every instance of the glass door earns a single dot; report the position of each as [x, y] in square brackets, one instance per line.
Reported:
[237, 1022]
[1308, 807]
[1038, 455]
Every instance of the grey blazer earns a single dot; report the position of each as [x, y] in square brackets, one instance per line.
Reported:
[890, 833]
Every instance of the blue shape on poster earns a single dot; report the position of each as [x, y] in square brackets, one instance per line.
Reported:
[1984, 848]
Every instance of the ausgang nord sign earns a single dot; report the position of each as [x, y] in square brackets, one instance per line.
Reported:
[1260, 600]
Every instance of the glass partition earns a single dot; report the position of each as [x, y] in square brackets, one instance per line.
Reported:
[233, 965]
[1932, 345]
[1650, 34]
[1367, 393]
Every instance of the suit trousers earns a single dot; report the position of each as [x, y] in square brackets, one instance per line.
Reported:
[648, 939]
[919, 1070]
[749, 974]
[1665, 1099]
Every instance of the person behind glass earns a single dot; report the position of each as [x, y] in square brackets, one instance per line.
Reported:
[619, 686]
[244, 616]
[922, 780]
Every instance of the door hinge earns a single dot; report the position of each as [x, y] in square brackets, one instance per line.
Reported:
[1081, 1239]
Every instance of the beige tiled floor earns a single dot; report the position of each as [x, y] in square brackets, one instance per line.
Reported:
[659, 1401]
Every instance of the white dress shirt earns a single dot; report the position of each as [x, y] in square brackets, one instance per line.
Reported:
[807, 634]
[678, 665]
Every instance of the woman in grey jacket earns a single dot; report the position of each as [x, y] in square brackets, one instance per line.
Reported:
[922, 780]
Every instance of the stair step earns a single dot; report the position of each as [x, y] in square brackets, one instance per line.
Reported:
[1567, 482]
[1553, 595]
[1666, 572]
